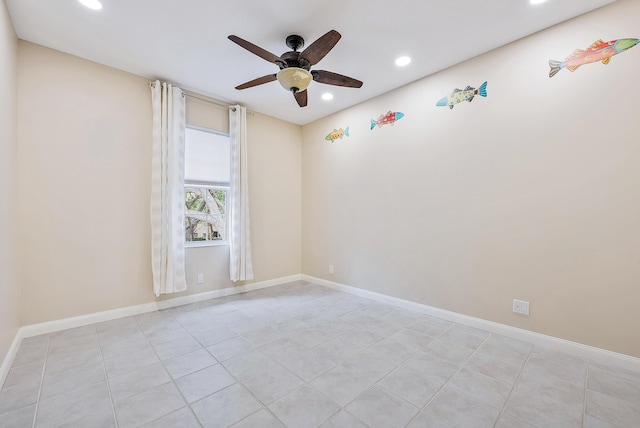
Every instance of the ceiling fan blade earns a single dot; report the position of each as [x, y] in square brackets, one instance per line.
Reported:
[329, 78]
[259, 81]
[257, 50]
[301, 98]
[318, 49]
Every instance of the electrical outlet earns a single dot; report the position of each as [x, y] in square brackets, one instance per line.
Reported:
[520, 307]
[200, 278]
[331, 269]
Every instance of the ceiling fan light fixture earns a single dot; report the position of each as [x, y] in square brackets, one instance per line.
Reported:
[294, 79]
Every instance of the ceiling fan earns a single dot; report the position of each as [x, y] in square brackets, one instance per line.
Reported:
[295, 67]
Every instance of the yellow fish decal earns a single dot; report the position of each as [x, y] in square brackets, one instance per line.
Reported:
[337, 133]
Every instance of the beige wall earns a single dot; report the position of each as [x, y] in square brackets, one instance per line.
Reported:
[530, 193]
[9, 285]
[85, 147]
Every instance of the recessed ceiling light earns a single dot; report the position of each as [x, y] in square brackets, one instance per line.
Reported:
[327, 96]
[92, 4]
[402, 61]
[537, 1]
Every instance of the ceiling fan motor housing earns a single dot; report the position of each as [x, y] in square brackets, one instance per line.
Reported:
[292, 59]
[295, 42]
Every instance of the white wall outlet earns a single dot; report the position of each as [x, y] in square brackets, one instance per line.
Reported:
[520, 307]
[200, 278]
[331, 269]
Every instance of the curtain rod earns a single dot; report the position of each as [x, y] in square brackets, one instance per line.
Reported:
[184, 94]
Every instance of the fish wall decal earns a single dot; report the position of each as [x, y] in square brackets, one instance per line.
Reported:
[460, 95]
[598, 51]
[337, 133]
[387, 119]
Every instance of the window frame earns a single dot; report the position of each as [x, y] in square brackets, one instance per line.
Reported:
[213, 186]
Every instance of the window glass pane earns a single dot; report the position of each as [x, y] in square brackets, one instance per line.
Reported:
[205, 213]
[196, 228]
[195, 200]
[216, 200]
[207, 157]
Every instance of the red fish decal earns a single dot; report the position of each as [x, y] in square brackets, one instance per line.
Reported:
[387, 119]
[598, 51]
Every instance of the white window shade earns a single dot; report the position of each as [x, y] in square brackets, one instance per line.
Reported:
[207, 157]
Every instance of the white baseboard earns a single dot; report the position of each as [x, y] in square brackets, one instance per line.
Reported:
[64, 324]
[591, 353]
[8, 359]
[584, 351]
[82, 320]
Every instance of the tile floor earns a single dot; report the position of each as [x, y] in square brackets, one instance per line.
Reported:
[300, 355]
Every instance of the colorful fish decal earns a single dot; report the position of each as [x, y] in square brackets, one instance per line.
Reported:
[598, 51]
[387, 119]
[337, 133]
[460, 95]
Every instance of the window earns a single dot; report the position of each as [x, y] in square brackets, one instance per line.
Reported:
[206, 186]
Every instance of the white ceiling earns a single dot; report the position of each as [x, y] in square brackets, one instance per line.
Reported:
[185, 42]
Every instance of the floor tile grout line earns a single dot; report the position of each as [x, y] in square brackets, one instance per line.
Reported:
[238, 381]
[394, 394]
[398, 366]
[342, 408]
[265, 406]
[375, 383]
[171, 413]
[273, 414]
[107, 381]
[188, 405]
[586, 386]
[424, 408]
[251, 414]
[44, 368]
[308, 383]
[504, 406]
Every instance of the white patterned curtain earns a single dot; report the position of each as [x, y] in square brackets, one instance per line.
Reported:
[240, 268]
[167, 189]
